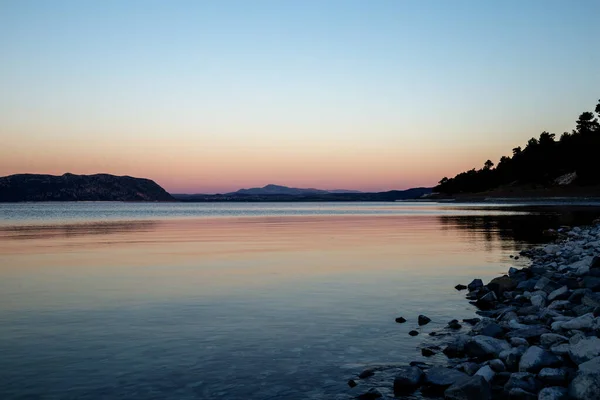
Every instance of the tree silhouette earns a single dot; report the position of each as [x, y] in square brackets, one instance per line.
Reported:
[540, 162]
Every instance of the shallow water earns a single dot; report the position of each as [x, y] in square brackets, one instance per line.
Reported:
[237, 301]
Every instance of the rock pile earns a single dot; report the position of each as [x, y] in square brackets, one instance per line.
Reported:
[539, 332]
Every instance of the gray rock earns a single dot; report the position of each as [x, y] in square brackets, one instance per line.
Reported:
[591, 299]
[407, 380]
[546, 285]
[486, 372]
[585, 386]
[527, 285]
[497, 365]
[592, 282]
[485, 347]
[521, 380]
[561, 293]
[443, 377]
[560, 305]
[532, 332]
[591, 366]
[518, 341]
[456, 348]
[469, 368]
[584, 350]
[553, 393]
[554, 376]
[560, 349]
[520, 394]
[511, 357]
[538, 300]
[536, 358]
[475, 284]
[474, 388]
[583, 322]
[550, 339]
[493, 330]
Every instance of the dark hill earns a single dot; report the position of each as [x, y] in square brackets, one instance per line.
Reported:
[70, 187]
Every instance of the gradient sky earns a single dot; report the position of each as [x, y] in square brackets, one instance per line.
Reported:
[212, 96]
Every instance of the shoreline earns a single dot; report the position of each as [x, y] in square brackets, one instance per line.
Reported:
[537, 335]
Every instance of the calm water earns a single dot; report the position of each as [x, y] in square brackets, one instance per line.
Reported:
[236, 301]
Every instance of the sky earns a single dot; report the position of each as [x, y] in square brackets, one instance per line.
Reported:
[213, 96]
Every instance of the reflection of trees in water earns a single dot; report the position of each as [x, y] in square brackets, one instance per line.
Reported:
[511, 232]
[24, 232]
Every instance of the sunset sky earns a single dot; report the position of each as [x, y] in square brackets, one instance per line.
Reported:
[212, 96]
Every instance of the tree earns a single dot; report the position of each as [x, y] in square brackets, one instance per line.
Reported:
[488, 165]
[587, 123]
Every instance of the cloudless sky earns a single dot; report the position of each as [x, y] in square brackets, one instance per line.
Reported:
[212, 96]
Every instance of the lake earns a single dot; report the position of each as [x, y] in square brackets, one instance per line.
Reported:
[239, 301]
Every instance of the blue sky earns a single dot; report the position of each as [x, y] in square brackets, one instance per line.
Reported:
[213, 95]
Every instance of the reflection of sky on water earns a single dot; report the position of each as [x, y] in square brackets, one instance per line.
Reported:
[283, 306]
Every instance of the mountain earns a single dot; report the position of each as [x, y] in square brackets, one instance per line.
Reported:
[70, 187]
[276, 189]
[305, 195]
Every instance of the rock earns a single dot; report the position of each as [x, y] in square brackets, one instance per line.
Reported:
[553, 376]
[518, 341]
[561, 293]
[536, 358]
[591, 366]
[553, 393]
[366, 374]
[502, 284]
[475, 284]
[521, 380]
[454, 325]
[485, 347]
[471, 321]
[595, 262]
[427, 352]
[487, 301]
[460, 287]
[413, 333]
[578, 294]
[469, 368]
[546, 285]
[550, 339]
[371, 394]
[493, 330]
[527, 285]
[583, 322]
[533, 332]
[520, 394]
[591, 299]
[443, 377]
[592, 282]
[584, 350]
[486, 372]
[560, 349]
[538, 301]
[585, 386]
[512, 357]
[407, 380]
[497, 365]
[474, 388]
[560, 305]
[352, 383]
[400, 320]
[423, 320]
[456, 348]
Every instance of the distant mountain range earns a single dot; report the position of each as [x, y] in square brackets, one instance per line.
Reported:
[70, 187]
[284, 193]
[284, 190]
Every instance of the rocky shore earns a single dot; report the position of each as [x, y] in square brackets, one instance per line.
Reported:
[537, 337]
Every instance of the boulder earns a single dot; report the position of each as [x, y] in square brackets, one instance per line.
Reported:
[474, 388]
[595, 263]
[485, 347]
[553, 393]
[590, 366]
[562, 293]
[536, 358]
[423, 320]
[502, 284]
[366, 374]
[532, 332]
[497, 365]
[486, 372]
[413, 333]
[487, 301]
[538, 301]
[560, 349]
[520, 394]
[592, 283]
[518, 341]
[512, 357]
[370, 395]
[471, 321]
[407, 380]
[584, 350]
[585, 386]
[521, 380]
[456, 348]
[554, 376]
[400, 320]
[460, 287]
[591, 299]
[475, 284]
[583, 322]
[546, 285]
[443, 377]
[550, 339]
